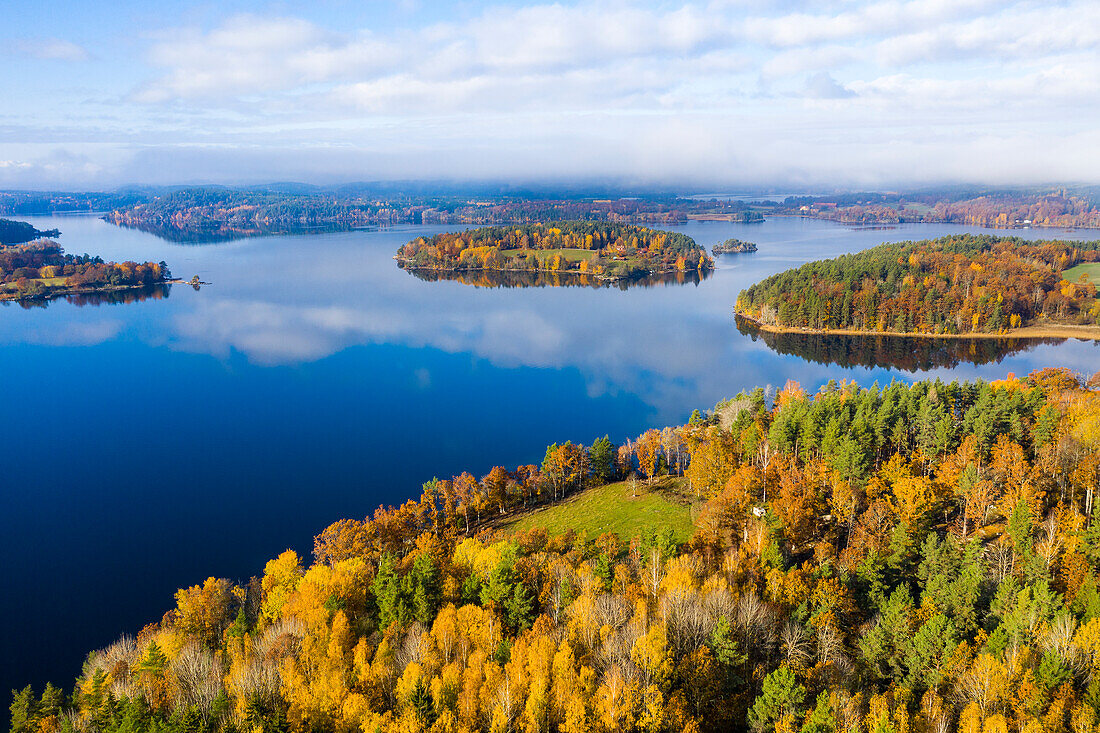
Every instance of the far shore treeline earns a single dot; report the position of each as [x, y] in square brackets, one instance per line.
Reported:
[612, 251]
[954, 285]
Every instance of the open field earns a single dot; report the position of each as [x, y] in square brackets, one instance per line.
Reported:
[614, 508]
[1090, 269]
[50, 282]
[572, 255]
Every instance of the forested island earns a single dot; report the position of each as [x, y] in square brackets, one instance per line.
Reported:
[597, 250]
[957, 285]
[41, 270]
[907, 558]
[733, 246]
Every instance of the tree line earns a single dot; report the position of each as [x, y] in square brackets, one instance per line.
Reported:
[41, 269]
[953, 285]
[915, 558]
[1004, 209]
[211, 213]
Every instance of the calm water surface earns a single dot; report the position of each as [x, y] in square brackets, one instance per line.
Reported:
[152, 444]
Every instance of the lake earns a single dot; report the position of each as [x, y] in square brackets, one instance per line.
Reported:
[149, 445]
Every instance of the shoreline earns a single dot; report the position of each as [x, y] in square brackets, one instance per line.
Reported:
[13, 298]
[406, 265]
[1034, 331]
[335, 225]
[905, 222]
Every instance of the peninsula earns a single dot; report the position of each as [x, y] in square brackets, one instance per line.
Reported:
[41, 270]
[600, 250]
[809, 558]
[963, 285]
[18, 232]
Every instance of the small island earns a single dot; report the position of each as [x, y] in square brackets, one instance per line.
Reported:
[732, 247]
[41, 270]
[956, 286]
[598, 250]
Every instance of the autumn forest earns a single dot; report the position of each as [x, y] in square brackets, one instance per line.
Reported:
[41, 269]
[583, 366]
[608, 251]
[953, 285]
[901, 558]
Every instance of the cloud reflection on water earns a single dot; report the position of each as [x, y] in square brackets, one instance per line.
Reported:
[294, 301]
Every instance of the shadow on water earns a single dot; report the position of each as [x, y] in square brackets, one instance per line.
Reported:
[898, 352]
[109, 297]
[514, 279]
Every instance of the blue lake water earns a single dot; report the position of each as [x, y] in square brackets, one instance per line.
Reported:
[149, 445]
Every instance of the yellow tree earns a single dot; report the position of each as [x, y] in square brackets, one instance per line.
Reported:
[1084, 420]
[496, 486]
[648, 447]
[711, 460]
[1014, 477]
[205, 612]
[281, 577]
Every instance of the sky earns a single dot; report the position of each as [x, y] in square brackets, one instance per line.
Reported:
[720, 95]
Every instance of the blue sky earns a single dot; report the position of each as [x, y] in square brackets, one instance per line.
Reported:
[728, 93]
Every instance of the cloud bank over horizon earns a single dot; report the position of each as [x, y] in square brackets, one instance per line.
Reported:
[867, 93]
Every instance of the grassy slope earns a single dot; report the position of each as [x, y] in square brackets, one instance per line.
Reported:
[1092, 269]
[572, 255]
[54, 282]
[575, 255]
[9, 289]
[613, 508]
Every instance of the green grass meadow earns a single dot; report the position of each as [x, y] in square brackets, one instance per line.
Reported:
[1091, 269]
[614, 508]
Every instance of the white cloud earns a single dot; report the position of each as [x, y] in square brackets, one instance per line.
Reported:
[1018, 33]
[51, 165]
[812, 58]
[250, 54]
[824, 86]
[50, 49]
[870, 19]
[697, 90]
[599, 57]
[1072, 84]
